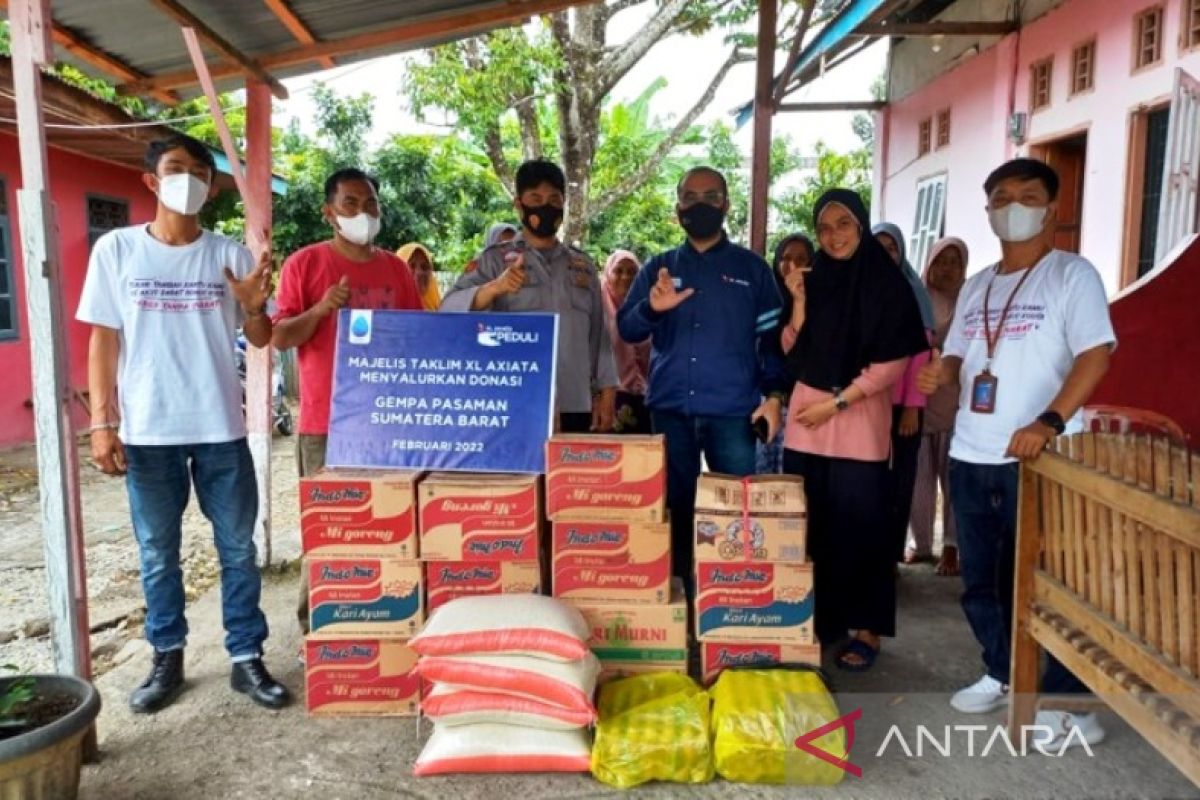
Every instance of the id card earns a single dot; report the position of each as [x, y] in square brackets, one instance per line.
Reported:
[983, 393]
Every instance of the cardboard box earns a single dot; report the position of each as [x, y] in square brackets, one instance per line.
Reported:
[364, 597]
[361, 677]
[775, 507]
[598, 477]
[479, 517]
[626, 561]
[446, 580]
[638, 632]
[756, 602]
[359, 513]
[716, 656]
[611, 670]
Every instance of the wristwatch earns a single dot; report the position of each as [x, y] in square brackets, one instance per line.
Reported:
[841, 402]
[1054, 421]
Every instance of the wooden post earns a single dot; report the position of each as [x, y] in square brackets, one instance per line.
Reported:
[764, 108]
[1024, 671]
[259, 383]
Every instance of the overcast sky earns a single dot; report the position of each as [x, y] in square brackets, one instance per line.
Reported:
[680, 60]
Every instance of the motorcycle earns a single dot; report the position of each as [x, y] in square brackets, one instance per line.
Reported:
[281, 415]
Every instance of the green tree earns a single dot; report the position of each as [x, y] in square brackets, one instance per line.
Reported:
[850, 170]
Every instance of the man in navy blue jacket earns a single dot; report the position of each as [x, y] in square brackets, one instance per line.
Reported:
[710, 309]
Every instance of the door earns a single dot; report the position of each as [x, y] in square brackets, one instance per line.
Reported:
[1181, 170]
[1069, 159]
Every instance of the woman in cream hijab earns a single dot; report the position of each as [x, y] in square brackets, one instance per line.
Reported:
[420, 261]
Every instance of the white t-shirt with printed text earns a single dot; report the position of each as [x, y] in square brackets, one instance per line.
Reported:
[177, 379]
[1060, 312]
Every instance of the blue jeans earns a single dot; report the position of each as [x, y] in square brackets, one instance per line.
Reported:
[728, 446]
[159, 482]
[984, 499]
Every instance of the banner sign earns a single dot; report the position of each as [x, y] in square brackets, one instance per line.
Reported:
[444, 391]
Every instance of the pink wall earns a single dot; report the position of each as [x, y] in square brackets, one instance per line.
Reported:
[977, 93]
[72, 178]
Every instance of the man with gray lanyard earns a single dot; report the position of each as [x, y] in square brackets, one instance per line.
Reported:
[538, 272]
[1030, 341]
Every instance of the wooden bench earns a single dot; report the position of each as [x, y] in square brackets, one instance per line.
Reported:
[1108, 581]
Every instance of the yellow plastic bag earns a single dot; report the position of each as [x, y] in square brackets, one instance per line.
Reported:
[652, 727]
[758, 715]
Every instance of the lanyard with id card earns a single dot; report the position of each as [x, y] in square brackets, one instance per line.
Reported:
[986, 385]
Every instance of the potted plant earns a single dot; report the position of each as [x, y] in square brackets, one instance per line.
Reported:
[43, 719]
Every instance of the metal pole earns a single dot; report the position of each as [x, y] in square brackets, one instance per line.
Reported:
[760, 165]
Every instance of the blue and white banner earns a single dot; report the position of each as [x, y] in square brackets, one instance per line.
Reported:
[445, 391]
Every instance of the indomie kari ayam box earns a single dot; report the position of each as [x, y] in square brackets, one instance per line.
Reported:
[716, 656]
[448, 580]
[359, 513]
[754, 602]
[361, 677]
[364, 597]
[628, 561]
[479, 517]
[760, 518]
[596, 477]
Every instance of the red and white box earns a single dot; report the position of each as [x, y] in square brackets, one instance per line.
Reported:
[601, 477]
[359, 513]
[479, 517]
[754, 602]
[361, 678]
[364, 597]
[759, 518]
[448, 580]
[615, 561]
[716, 656]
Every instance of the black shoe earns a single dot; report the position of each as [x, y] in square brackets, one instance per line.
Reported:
[161, 686]
[251, 678]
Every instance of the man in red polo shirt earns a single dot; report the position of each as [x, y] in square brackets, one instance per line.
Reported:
[345, 271]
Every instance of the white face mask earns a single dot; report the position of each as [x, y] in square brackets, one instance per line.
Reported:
[1016, 222]
[359, 229]
[182, 193]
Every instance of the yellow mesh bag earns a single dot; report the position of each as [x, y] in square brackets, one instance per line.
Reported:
[652, 727]
[757, 716]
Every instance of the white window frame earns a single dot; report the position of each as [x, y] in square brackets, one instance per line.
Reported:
[929, 220]
[1179, 208]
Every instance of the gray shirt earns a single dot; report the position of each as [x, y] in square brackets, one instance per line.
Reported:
[560, 280]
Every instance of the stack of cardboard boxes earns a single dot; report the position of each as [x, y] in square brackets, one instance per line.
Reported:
[610, 550]
[754, 601]
[359, 536]
[480, 534]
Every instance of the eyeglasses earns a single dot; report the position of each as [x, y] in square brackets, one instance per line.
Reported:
[714, 197]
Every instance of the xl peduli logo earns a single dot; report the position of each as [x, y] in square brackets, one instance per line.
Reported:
[360, 326]
[496, 335]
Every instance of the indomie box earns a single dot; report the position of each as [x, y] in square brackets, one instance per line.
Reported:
[760, 518]
[364, 597]
[755, 602]
[361, 677]
[597, 477]
[359, 512]
[629, 632]
[447, 580]
[628, 561]
[484, 517]
[716, 656]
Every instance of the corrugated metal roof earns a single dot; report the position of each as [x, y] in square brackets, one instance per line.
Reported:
[145, 38]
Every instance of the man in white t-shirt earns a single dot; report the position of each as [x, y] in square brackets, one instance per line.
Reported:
[1030, 341]
[164, 301]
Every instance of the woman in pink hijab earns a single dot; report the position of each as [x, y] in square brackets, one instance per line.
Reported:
[633, 360]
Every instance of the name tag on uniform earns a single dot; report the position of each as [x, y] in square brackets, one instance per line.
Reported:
[678, 282]
[581, 280]
[983, 393]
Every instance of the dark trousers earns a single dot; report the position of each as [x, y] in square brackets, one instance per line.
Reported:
[903, 478]
[574, 422]
[852, 555]
[727, 444]
[984, 498]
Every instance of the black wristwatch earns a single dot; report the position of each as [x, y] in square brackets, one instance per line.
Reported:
[1054, 421]
[841, 402]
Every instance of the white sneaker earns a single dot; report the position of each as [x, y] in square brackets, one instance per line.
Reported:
[984, 695]
[1068, 730]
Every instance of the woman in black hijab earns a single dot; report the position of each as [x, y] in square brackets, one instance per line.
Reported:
[854, 323]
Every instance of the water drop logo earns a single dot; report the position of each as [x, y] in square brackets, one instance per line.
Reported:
[360, 327]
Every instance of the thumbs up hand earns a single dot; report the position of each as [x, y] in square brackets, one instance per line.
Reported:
[336, 296]
[932, 375]
[664, 296]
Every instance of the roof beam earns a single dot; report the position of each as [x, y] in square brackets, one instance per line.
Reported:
[75, 44]
[399, 37]
[939, 28]
[186, 19]
[848, 105]
[300, 31]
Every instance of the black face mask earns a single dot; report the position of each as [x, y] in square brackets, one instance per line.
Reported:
[700, 220]
[547, 218]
